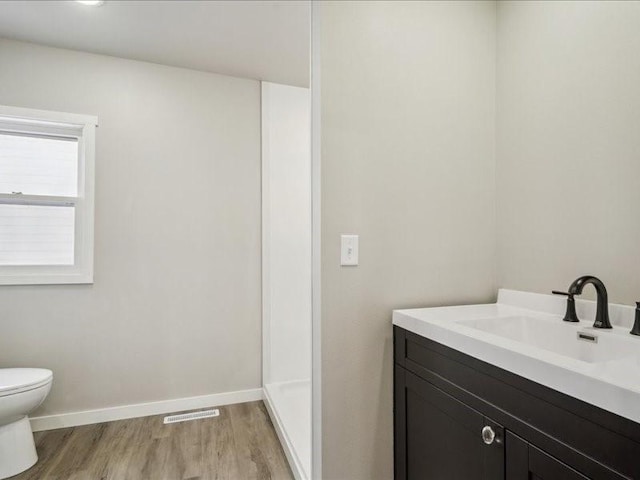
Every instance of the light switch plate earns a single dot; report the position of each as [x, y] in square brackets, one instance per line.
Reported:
[349, 250]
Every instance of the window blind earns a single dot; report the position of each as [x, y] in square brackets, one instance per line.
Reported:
[38, 165]
[36, 235]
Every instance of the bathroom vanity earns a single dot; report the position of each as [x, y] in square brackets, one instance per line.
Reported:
[510, 391]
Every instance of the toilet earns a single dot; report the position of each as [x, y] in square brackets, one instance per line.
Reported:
[22, 390]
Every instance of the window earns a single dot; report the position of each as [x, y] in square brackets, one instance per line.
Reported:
[46, 197]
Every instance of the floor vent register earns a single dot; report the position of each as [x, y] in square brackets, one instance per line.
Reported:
[185, 417]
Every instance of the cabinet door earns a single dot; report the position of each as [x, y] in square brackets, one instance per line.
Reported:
[440, 438]
[527, 462]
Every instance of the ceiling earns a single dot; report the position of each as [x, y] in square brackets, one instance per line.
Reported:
[265, 40]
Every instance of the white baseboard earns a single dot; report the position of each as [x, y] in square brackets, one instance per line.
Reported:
[87, 417]
[289, 451]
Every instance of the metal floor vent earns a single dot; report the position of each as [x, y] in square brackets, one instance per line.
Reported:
[185, 417]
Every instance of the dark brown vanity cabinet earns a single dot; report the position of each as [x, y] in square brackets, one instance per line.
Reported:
[458, 418]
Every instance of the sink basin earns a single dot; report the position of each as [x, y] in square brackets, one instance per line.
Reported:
[573, 340]
[523, 333]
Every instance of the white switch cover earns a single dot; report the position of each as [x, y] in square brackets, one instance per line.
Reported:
[349, 250]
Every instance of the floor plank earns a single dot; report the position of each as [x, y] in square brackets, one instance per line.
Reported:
[240, 444]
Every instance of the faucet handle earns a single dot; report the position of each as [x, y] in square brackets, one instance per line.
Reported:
[570, 315]
[636, 324]
[566, 294]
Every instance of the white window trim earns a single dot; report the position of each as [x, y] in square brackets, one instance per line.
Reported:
[82, 270]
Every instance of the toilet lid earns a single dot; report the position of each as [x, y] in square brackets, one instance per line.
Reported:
[16, 380]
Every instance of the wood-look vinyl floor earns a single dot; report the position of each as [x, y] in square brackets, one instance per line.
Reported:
[240, 444]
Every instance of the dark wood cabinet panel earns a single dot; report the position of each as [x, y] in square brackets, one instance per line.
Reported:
[517, 458]
[443, 398]
[443, 437]
[544, 467]
[527, 462]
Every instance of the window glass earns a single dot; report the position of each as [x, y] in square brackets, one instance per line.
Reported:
[38, 165]
[36, 235]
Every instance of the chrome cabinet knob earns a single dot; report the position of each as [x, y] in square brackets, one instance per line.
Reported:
[488, 435]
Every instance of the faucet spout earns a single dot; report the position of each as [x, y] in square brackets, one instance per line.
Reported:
[602, 309]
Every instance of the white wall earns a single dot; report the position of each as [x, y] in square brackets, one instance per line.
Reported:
[175, 308]
[568, 144]
[286, 193]
[408, 114]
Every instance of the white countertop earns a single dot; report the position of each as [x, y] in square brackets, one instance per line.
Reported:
[612, 385]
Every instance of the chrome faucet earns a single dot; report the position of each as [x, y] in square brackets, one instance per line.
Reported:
[602, 309]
